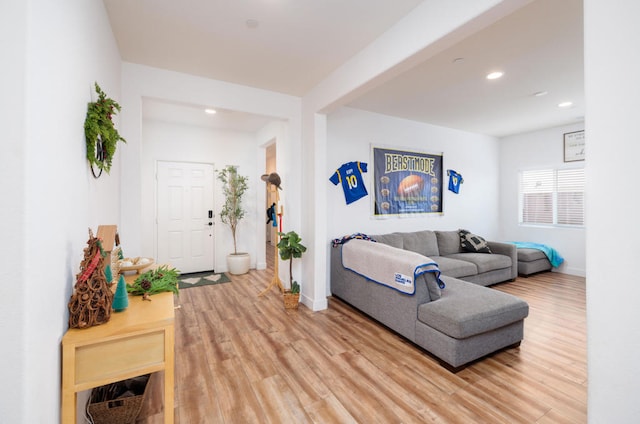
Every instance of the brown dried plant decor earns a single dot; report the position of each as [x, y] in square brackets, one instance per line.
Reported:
[91, 301]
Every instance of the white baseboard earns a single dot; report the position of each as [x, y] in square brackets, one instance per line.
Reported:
[314, 305]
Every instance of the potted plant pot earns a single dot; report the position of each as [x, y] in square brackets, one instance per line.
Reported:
[238, 263]
[291, 300]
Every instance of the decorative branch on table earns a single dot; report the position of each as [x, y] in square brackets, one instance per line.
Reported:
[161, 279]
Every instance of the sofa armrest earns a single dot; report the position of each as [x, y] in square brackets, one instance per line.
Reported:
[506, 249]
[396, 310]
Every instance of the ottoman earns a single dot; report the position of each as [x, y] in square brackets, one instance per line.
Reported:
[531, 261]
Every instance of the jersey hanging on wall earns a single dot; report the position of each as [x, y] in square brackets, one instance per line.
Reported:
[350, 175]
[455, 180]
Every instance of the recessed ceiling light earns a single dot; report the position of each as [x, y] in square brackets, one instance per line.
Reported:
[540, 93]
[495, 75]
[458, 60]
[565, 104]
[210, 111]
[252, 23]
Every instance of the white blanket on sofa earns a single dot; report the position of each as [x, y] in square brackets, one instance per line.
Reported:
[387, 265]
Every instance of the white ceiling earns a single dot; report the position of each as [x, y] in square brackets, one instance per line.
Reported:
[195, 115]
[297, 43]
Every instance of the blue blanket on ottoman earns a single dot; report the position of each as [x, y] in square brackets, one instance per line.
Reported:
[551, 253]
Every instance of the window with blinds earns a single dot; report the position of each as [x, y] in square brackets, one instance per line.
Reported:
[552, 197]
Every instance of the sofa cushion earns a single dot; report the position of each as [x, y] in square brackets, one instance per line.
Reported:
[422, 242]
[466, 309]
[393, 239]
[448, 242]
[482, 261]
[470, 242]
[528, 255]
[455, 267]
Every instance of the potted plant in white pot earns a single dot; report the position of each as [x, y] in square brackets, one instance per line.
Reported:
[234, 186]
[290, 247]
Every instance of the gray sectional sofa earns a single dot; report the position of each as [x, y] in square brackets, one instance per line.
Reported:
[459, 323]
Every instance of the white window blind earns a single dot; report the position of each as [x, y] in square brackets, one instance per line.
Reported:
[552, 197]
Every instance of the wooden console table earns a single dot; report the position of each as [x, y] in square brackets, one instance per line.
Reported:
[136, 341]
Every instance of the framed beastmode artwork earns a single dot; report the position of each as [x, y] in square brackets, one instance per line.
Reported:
[406, 182]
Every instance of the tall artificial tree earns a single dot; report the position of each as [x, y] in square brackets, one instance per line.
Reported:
[234, 186]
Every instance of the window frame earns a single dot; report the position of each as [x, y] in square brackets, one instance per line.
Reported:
[554, 196]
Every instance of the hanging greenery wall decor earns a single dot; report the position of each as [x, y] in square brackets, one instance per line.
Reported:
[100, 133]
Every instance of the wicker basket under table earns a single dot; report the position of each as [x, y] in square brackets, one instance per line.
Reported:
[123, 410]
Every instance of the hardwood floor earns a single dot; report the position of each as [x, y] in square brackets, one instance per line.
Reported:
[241, 358]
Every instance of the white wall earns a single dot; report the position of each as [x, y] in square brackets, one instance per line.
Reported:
[63, 48]
[612, 93]
[538, 150]
[351, 133]
[162, 141]
[349, 137]
[13, 48]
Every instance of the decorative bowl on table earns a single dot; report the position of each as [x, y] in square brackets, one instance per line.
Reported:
[134, 264]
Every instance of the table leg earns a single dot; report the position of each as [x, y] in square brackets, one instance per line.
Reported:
[169, 375]
[69, 406]
[69, 395]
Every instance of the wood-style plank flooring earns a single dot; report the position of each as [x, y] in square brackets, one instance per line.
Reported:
[241, 358]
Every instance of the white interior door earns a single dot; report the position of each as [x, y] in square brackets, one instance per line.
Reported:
[185, 215]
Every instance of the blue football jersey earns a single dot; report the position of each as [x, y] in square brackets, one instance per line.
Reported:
[455, 180]
[350, 175]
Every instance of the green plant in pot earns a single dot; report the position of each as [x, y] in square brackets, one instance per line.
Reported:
[290, 247]
[234, 187]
